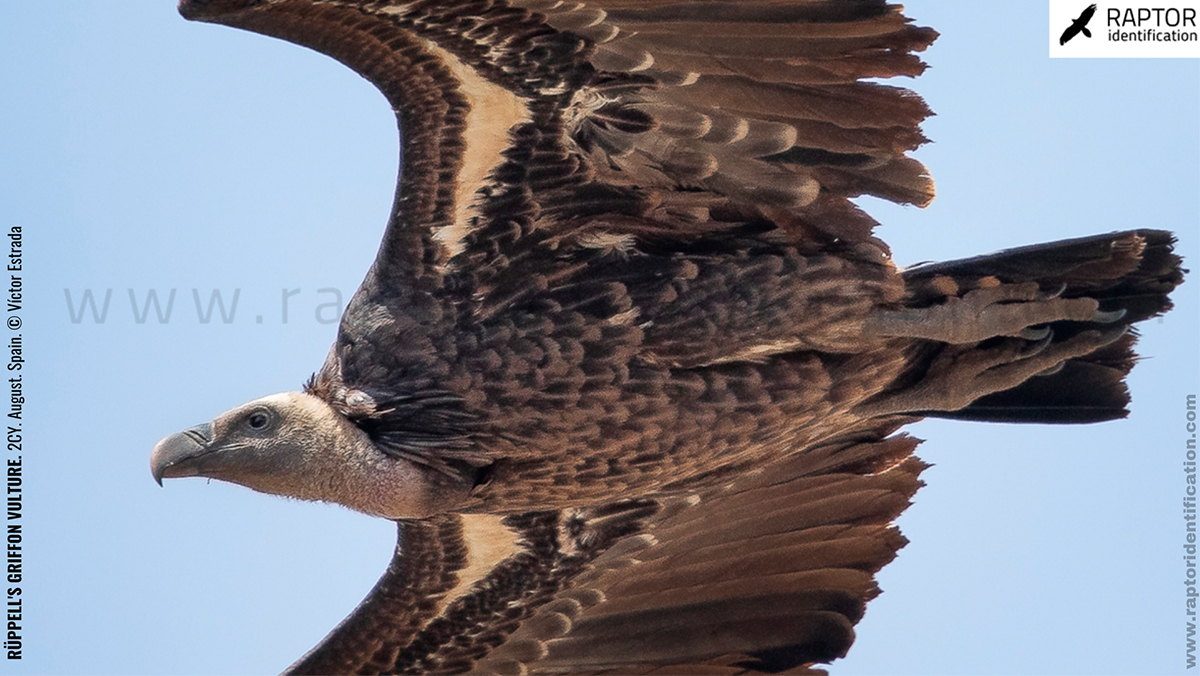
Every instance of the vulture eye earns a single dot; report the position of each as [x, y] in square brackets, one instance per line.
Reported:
[258, 420]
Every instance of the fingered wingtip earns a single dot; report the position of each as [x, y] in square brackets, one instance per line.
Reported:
[199, 10]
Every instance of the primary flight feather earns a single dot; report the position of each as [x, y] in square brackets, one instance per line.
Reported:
[625, 313]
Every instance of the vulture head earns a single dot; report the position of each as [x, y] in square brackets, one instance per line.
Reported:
[295, 444]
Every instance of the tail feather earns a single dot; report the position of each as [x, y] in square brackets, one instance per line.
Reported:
[1135, 262]
[1132, 271]
[1085, 390]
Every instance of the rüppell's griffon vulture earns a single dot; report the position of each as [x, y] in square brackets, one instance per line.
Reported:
[627, 367]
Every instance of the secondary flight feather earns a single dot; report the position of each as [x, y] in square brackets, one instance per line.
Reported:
[625, 316]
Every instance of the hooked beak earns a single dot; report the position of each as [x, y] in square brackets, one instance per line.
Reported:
[173, 455]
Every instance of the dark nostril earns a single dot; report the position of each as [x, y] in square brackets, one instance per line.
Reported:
[200, 434]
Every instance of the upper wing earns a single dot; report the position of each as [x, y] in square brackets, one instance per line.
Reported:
[765, 574]
[519, 118]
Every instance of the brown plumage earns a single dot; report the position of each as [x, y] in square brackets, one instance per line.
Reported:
[765, 573]
[627, 363]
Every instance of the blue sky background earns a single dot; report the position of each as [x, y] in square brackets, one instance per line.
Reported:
[142, 152]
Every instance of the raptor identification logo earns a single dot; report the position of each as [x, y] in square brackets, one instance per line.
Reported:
[1129, 28]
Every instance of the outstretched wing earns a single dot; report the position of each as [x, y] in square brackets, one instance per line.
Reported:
[556, 110]
[766, 574]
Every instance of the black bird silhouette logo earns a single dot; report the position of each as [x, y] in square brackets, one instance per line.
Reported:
[1078, 26]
